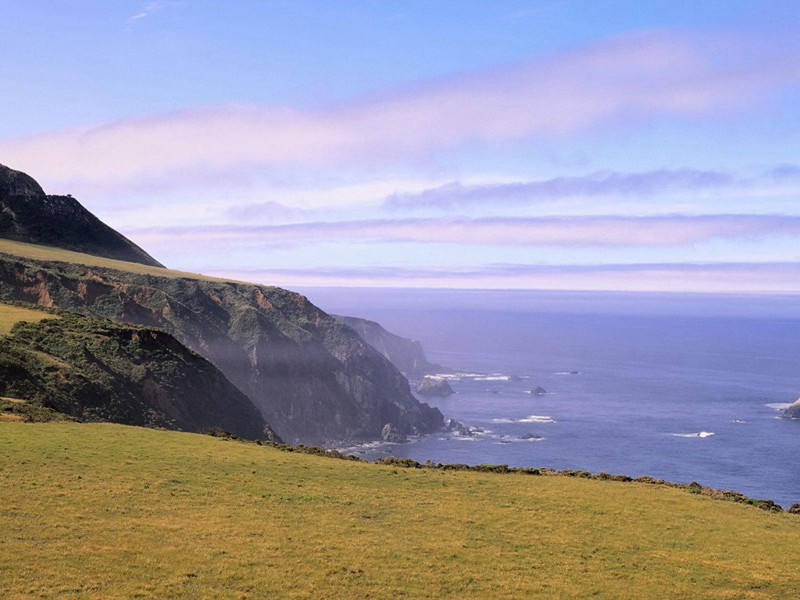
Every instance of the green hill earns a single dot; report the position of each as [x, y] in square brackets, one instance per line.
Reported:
[96, 370]
[108, 511]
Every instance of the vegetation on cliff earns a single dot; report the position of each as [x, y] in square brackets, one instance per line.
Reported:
[95, 370]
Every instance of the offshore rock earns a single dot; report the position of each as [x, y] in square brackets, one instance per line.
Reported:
[434, 386]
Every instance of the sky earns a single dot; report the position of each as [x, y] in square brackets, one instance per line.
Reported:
[553, 144]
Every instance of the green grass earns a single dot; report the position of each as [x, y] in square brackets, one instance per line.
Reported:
[11, 315]
[108, 511]
[48, 253]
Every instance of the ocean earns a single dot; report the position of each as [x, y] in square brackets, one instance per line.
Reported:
[680, 387]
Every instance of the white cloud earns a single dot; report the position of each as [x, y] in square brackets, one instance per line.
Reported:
[621, 80]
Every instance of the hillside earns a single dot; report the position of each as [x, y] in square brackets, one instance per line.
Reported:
[405, 354]
[109, 511]
[313, 379]
[27, 214]
[97, 371]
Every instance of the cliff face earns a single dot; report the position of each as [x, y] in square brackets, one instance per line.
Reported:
[27, 214]
[313, 378]
[407, 355]
[98, 371]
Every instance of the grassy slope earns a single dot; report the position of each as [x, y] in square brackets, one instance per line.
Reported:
[111, 511]
[36, 252]
[11, 315]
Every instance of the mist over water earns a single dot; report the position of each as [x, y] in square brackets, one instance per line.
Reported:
[681, 387]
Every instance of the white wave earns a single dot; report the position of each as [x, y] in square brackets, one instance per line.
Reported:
[456, 376]
[567, 373]
[780, 405]
[738, 421]
[493, 378]
[537, 419]
[464, 438]
[528, 419]
[699, 434]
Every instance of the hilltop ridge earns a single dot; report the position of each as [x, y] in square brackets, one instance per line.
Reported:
[28, 214]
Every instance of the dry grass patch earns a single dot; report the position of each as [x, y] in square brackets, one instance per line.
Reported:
[48, 253]
[11, 315]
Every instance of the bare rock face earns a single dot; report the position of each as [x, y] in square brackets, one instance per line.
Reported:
[390, 433]
[793, 411]
[434, 386]
[27, 214]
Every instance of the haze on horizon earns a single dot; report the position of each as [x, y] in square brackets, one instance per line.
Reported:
[573, 145]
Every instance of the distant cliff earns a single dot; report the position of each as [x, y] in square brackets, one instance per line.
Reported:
[27, 214]
[407, 355]
[98, 371]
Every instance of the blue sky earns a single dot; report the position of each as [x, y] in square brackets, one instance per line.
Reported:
[549, 145]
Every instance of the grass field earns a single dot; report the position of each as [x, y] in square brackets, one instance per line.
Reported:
[11, 315]
[108, 511]
[47, 253]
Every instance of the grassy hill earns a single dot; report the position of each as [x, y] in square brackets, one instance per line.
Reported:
[108, 511]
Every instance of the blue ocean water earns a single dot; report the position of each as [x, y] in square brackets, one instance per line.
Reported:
[684, 388]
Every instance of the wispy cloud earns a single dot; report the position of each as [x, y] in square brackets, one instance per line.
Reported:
[601, 231]
[619, 80]
[266, 212]
[756, 278]
[147, 10]
[455, 194]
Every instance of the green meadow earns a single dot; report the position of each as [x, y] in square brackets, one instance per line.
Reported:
[109, 511]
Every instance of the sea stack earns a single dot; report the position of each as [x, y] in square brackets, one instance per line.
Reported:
[434, 386]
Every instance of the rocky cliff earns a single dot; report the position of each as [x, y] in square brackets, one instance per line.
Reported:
[27, 214]
[407, 355]
[99, 371]
[313, 378]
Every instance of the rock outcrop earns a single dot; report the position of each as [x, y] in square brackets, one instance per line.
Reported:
[457, 428]
[434, 386]
[27, 214]
[793, 410]
[538, 391]
[390, 433]
[98, 371]
[405, 354]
